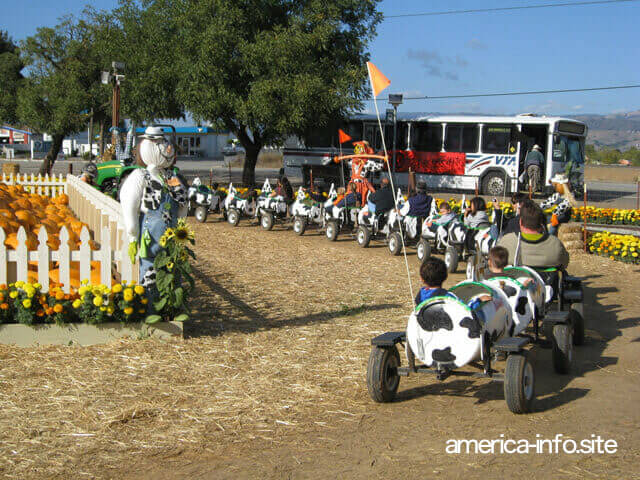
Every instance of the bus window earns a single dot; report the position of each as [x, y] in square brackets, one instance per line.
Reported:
[426, 137]
[372, 135]
[496, 138]
[461, 138]
[354, 130]
[567, 149]
[401, 136]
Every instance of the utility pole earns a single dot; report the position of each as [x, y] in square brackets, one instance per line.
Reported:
[114, 77]
[395, 99]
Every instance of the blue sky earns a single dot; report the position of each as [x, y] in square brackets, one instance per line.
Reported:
[543, 49]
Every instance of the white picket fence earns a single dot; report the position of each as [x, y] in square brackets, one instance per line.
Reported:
[103, 214]
[47, 186]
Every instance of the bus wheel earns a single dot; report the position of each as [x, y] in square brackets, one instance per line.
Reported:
[494, 184]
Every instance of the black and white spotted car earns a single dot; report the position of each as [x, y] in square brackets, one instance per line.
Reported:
[444, 334]
[270, 208]
[238, 206]
[306, 211]
[337, 219]
[204, 200]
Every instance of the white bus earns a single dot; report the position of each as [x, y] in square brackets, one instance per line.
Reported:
[451, 152]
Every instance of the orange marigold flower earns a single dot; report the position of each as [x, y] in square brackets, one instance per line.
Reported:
[40, 313]
[59, 295]
[49, 311]
[58, 308]
[4, 306]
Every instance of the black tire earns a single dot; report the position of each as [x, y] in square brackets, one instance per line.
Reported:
[299, 225]
[266, 220]
[382, 375]
[201, 214]
[519, 383]
[423, 251]
[395, 244]
[451, 259]
[562, 349]
[577, 324]
[233, 217]
[110, 187]
[332, 230]
[494, 184]
[363, 236]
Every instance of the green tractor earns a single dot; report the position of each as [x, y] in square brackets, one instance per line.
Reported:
[112, 174]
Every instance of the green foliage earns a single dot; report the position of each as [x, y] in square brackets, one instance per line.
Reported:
[10, 78]
[62, 81]
[174, 279]
[612, 156]
[147, 43]
[264, 69]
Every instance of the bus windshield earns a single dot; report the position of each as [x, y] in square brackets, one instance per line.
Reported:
[568, 149]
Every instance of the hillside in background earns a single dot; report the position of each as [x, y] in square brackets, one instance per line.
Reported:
[621, 131]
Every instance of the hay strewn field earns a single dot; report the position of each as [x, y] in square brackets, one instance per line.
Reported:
[271, 380]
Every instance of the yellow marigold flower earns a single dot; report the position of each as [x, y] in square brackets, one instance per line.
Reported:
[85, 281]
[128, 311]
[77, 303]
[110, 309]
[139, 289]
[103, 309]
[145, 301]
[30, 291]
[37, 285]
[128, 294]
[26, 303]
[19, 284]
[117, 288]
[82, 291]
[13, 294]
[97, 300]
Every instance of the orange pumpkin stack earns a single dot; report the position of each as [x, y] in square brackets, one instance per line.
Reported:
[33, 212]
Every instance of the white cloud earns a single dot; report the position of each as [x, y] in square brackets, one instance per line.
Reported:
[437, 65]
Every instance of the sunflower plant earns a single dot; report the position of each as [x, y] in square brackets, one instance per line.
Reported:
[174, 280]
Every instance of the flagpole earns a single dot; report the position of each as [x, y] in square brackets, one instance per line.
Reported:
[393, 188]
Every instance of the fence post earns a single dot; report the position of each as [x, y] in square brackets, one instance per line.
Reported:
[85, 255]
[22, 256]
[64, 261]
[43, 259]
[584, 220]
[3, 258]
[638, 194]
[105, 262]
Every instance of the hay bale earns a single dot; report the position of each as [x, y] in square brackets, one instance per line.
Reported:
[571, 227]
[573, 245]
[568, 237]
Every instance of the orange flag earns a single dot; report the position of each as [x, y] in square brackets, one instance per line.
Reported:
[343, 137]
[378, 81]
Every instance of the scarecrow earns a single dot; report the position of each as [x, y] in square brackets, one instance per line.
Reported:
[561, 201]
[152, 200]
[362, 163]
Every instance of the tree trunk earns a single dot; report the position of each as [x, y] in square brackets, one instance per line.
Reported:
[50, 159]
[101, 138]
[249, 167]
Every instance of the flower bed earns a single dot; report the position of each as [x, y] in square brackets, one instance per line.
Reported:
[24, 303]
[606, 216]
[624, 248]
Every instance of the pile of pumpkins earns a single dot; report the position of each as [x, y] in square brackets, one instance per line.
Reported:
[34, 212]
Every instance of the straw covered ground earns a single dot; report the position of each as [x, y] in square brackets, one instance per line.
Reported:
[271, 380]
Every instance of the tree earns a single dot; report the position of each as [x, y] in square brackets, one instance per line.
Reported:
[266, 69]
[147, 43]
[10, 77]
[62, 82]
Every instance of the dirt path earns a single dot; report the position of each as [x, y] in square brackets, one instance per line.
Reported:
[272, 382]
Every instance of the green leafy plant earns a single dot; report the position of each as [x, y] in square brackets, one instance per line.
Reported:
[174, 280]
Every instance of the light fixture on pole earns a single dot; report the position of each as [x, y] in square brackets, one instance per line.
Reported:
[114, 78]
[395, 99]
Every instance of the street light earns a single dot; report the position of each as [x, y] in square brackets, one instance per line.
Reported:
[395, 99]
[115, 78]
